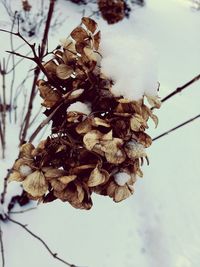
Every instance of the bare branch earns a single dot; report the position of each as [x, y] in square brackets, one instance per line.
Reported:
[37, 72]
[22, 211]
[53, 254]
[177, 127]
[2, 247]
[181, 88]
[43, 123]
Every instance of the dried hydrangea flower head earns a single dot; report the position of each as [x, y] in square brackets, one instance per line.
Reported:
[98, 140]
[112, 10]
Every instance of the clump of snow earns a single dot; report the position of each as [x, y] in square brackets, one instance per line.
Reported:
[121, 178]
[25, 170]
[80, 107]
[131, 63]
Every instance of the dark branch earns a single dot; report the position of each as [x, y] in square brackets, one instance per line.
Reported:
[2, 247]
[181, 88]
[53, 254]
[177, 127]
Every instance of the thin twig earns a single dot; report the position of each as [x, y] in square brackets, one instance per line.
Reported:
[2, 247]
[177, 127]
[43, 123]
[37, 72]
[22, 211]
[181, 88]
[53, 254]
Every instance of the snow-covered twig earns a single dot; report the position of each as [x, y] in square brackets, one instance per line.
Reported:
[53, 254]
[177, 127]
[2, 247]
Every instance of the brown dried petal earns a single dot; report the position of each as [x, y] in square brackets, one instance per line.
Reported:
[63, 71]
[57, 185]
[97, 177]
[143, 139]
[90, 24]
[91, 139]
[100, 122]
[121, 193]
[84, 126]
[97, 39]
[79, 34]
[67, 179]
[26, 150]
[15, 176]
[35, 184]
[54, 173]
[137, 123]
[50, 96]
[154, 101]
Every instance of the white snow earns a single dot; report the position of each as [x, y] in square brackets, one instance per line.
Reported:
[80, 107]
[159, 225]
[25, 170]
[131, 63]
[121, 178]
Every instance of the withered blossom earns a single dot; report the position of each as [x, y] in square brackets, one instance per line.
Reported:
[85, 152]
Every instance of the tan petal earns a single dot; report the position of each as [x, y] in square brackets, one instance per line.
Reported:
[84, 126]
[79, 34]
[26, 150]
[97, 177]
[22, 161]
[113, 152]
[90, 54]
[57, 185]
[50, 96]
[15, 176]
[143, 139]
[121, 193]
[111, 189]
[91, 139]
[97, 38]
[35, 184]
[90, 24]
[154, 101]
[54, 173]
[100, 122]
[67, 179]
[137, 123]
[63, 71]
[74, 94]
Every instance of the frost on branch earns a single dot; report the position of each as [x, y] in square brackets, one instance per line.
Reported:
[98, 139]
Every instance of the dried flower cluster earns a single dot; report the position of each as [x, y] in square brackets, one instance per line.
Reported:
[85, 153]
[112, 11]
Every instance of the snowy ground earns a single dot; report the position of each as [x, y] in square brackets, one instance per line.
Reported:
[160, 224]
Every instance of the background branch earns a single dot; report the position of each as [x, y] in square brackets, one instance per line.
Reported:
[177, 127]
[53, 254]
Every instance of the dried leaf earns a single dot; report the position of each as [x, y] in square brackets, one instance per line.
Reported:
[35, 184]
